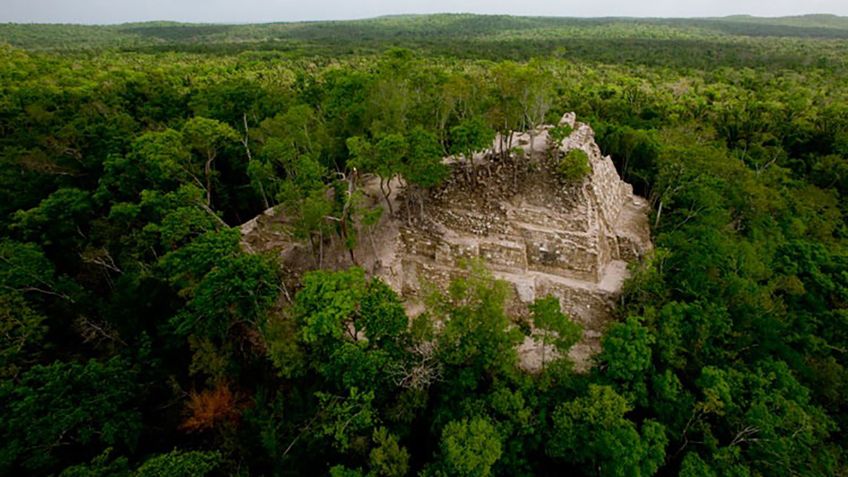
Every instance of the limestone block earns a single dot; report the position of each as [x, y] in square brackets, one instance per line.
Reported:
[569, 119]
[587, 307]
[503, 255]
[417, 243]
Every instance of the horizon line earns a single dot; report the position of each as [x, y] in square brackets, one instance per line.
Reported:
[391, 15]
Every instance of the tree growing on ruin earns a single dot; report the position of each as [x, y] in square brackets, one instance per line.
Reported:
[423, 167]
[383, 158]
[471, 136]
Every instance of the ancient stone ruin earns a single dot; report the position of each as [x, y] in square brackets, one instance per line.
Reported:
[573, 241]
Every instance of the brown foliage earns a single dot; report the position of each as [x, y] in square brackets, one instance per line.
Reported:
[211, 407]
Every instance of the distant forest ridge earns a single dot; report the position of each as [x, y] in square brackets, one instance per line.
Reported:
[414, 29]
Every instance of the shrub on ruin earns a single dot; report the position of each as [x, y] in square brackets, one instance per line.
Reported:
[574, 166]
[559, 133]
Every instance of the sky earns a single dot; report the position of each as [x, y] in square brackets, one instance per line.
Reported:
[254, 11]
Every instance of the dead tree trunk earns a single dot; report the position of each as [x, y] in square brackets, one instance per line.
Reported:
[387, 195]
[244, 142]
[207, 169]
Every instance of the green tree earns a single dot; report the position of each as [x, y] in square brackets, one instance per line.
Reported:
[423, 167]
[593, 430]
[344, 419]
[100, 466]
[470, 447]
[67, 406]
[185, 267]
[208, 137]
[554, 326]
[156, 160]
[345, 303]
[626, 357]
[22, 332]
[477, 338]
[24, 269]
[469, 137]
[508, 90]
[180, 464]
[327, 302]
[387, 458]
[238, 290]
[693, 466]
[384, 158]
[57, 220]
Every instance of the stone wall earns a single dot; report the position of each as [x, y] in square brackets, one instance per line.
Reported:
[535, 223]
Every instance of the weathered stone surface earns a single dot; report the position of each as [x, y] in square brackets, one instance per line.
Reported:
[524, 219]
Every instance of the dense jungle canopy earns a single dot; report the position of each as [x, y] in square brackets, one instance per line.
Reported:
[137, 337]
